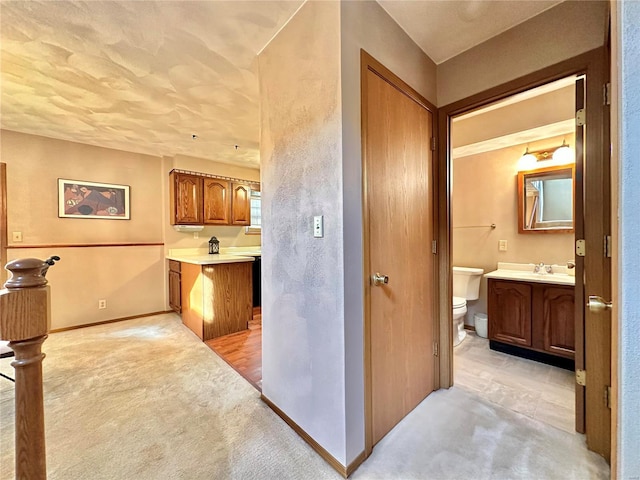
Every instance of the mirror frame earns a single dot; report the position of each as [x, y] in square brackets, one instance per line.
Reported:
[521, 196]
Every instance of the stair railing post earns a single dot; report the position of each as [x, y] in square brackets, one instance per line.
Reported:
[25, 318]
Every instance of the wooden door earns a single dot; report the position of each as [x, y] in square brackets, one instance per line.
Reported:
[558, 321]
[186, 199]
[241, 204]
[399, 330]
[174, 291]
[597, 260]
[509, 312]
[217, 201]
[3, 223]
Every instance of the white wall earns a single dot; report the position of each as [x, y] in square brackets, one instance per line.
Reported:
[303, 350]
[365, 25]
[628, 125]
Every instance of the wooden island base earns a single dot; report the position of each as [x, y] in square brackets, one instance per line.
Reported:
[216, 299]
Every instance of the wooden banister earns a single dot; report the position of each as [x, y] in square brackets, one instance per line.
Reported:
[25, 319]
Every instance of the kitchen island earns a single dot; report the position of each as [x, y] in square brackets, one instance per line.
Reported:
[216, 293]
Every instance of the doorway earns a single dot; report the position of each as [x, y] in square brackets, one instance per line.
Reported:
[593, 335]
[3, 222]
[513, 164]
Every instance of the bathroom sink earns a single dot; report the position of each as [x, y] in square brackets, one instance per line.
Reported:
[524, 272]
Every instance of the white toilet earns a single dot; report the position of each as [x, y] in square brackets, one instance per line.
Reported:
[466, 286]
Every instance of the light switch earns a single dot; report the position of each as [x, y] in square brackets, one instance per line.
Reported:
[17, 236]
[502, 245]
[318, 227]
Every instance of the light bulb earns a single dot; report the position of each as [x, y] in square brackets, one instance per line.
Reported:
[563, 154]
[527, 161]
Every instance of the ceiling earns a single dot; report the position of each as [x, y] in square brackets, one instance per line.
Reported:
[147, 76]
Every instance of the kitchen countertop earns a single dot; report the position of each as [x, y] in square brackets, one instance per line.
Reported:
[524, 272]
[207, 259]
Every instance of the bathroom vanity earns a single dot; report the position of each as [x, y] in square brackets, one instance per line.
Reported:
[532, 314]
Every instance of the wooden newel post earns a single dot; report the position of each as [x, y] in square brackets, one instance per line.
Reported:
[25, 318]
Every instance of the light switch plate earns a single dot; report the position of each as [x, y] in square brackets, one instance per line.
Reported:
[502, 245]
[318, 227]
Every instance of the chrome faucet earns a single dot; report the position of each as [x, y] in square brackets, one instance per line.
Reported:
[541, 268]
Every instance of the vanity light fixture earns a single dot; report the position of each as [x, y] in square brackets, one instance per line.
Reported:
[563, 154]
[527, 161]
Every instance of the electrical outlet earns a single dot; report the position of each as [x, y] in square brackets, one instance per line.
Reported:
[17, 236]
[318, 227]
[502, 245]
[102, 304]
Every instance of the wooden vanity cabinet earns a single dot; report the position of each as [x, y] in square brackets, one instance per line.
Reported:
[531, 315]
[241, 204]
[175, 296]
[217, 201]
[185, 193]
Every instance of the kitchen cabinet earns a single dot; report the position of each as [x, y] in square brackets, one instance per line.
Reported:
[174, 286]
[535, 316]
[240, 204]
[204, 200]
[217, 201]
[216, 298]
[185, 192]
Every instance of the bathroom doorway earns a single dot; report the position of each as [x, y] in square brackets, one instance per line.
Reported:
[507, 230]
[591, 334]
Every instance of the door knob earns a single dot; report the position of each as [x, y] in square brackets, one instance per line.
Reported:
[380, 279]
[598, 304]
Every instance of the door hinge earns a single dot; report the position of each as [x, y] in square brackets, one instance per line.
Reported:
[434, 246]
[581, 247]
[435, 349]
[433, 143]
[581, 118]
[581, 377]
[607, 396]
[606, 94]
[607, 246]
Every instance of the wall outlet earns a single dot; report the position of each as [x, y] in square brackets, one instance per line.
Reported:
[318, 227]
[102, 304]
[502, 245]
[17, 236]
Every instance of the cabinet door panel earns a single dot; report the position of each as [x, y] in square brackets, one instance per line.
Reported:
[510, 312]
[216, 201]
[174, 291]
[559, 326]
[187, 199]
[241, 204]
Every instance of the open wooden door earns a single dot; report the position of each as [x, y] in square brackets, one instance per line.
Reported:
[399, 216]
[3, 222]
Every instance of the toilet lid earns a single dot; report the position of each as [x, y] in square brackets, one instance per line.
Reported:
[459, 302]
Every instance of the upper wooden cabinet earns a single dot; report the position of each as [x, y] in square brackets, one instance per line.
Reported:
[217, 201]
[202, 200]
[241, 204]
[186, 199]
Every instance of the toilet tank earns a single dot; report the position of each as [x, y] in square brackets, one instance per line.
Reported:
[466, 282]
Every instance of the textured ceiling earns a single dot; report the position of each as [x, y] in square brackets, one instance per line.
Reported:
[443, 29]
[139, 76]
[143, 76]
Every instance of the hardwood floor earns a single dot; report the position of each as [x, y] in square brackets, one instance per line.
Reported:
[243, 350]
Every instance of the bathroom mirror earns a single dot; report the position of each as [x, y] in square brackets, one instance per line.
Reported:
[545, 200]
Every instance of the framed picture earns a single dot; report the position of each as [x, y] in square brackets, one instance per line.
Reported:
[80, 199]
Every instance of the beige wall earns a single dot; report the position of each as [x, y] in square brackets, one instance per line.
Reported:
[562, 32]
[485, 192]
[131, 279]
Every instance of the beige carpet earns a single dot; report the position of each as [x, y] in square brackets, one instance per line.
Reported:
[145, 399]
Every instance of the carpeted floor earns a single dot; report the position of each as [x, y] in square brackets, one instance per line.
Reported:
[146, 399]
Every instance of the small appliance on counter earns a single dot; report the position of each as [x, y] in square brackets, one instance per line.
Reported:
[214, 245]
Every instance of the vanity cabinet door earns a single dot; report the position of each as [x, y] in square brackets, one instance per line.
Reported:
[186, 199]
[174, 286]
[216, 201]
[510, 312]
[558, 320]
[241, 204]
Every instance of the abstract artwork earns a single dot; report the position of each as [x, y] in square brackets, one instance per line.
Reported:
[80, 199]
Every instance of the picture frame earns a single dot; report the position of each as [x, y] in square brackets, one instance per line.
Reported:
[83, 199]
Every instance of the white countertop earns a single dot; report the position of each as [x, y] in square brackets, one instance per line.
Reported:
[524, 272]
[207, 259]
